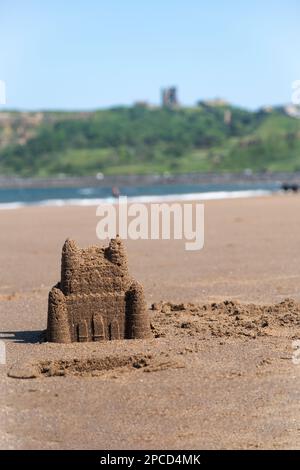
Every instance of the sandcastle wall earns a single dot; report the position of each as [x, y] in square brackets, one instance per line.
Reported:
[96, 298]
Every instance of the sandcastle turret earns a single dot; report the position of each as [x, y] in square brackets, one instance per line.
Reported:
[58, 326]
[96, 298]
[116, 252]
[69, 262]
[138, 325]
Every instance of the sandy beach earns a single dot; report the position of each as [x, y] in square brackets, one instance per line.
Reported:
[214, 375]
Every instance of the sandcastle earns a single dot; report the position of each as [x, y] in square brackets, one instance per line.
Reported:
[96, 298]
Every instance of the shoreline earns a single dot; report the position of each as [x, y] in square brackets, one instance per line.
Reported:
[107, 181]
[145, 199]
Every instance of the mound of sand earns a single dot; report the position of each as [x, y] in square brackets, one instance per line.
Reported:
[176, 331]
[228, 318]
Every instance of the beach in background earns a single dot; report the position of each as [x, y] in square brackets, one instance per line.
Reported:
[16, 197]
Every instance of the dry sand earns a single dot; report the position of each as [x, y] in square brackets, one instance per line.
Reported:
[216, 374]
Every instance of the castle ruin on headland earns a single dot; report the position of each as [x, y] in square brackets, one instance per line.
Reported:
[169, 97]
[96, 298]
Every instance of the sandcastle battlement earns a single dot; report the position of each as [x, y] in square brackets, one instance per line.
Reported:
[96, 298]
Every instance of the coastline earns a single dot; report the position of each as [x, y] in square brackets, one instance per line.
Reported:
[85, 202]
[147, 179]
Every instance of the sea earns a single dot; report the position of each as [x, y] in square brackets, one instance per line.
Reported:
[86, 196]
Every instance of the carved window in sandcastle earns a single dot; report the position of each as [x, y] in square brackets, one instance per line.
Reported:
[98, 327]
[114, 330]
[82, 331]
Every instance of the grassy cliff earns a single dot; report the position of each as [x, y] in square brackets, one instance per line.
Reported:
[140, 140]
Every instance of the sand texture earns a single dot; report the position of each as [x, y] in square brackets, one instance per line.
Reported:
[216, 371]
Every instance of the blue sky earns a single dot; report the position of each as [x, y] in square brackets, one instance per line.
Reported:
[86, 54]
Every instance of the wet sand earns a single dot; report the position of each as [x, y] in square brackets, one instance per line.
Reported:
[193, 385]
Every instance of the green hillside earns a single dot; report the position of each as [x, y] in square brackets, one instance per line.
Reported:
[141, 139]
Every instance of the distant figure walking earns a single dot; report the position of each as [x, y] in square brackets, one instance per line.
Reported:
[115, 191]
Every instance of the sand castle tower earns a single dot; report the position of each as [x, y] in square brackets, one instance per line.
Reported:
[96, 298]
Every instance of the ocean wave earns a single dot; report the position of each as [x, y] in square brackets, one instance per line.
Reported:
[86, 191]
[11, 205]
[204, 196]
